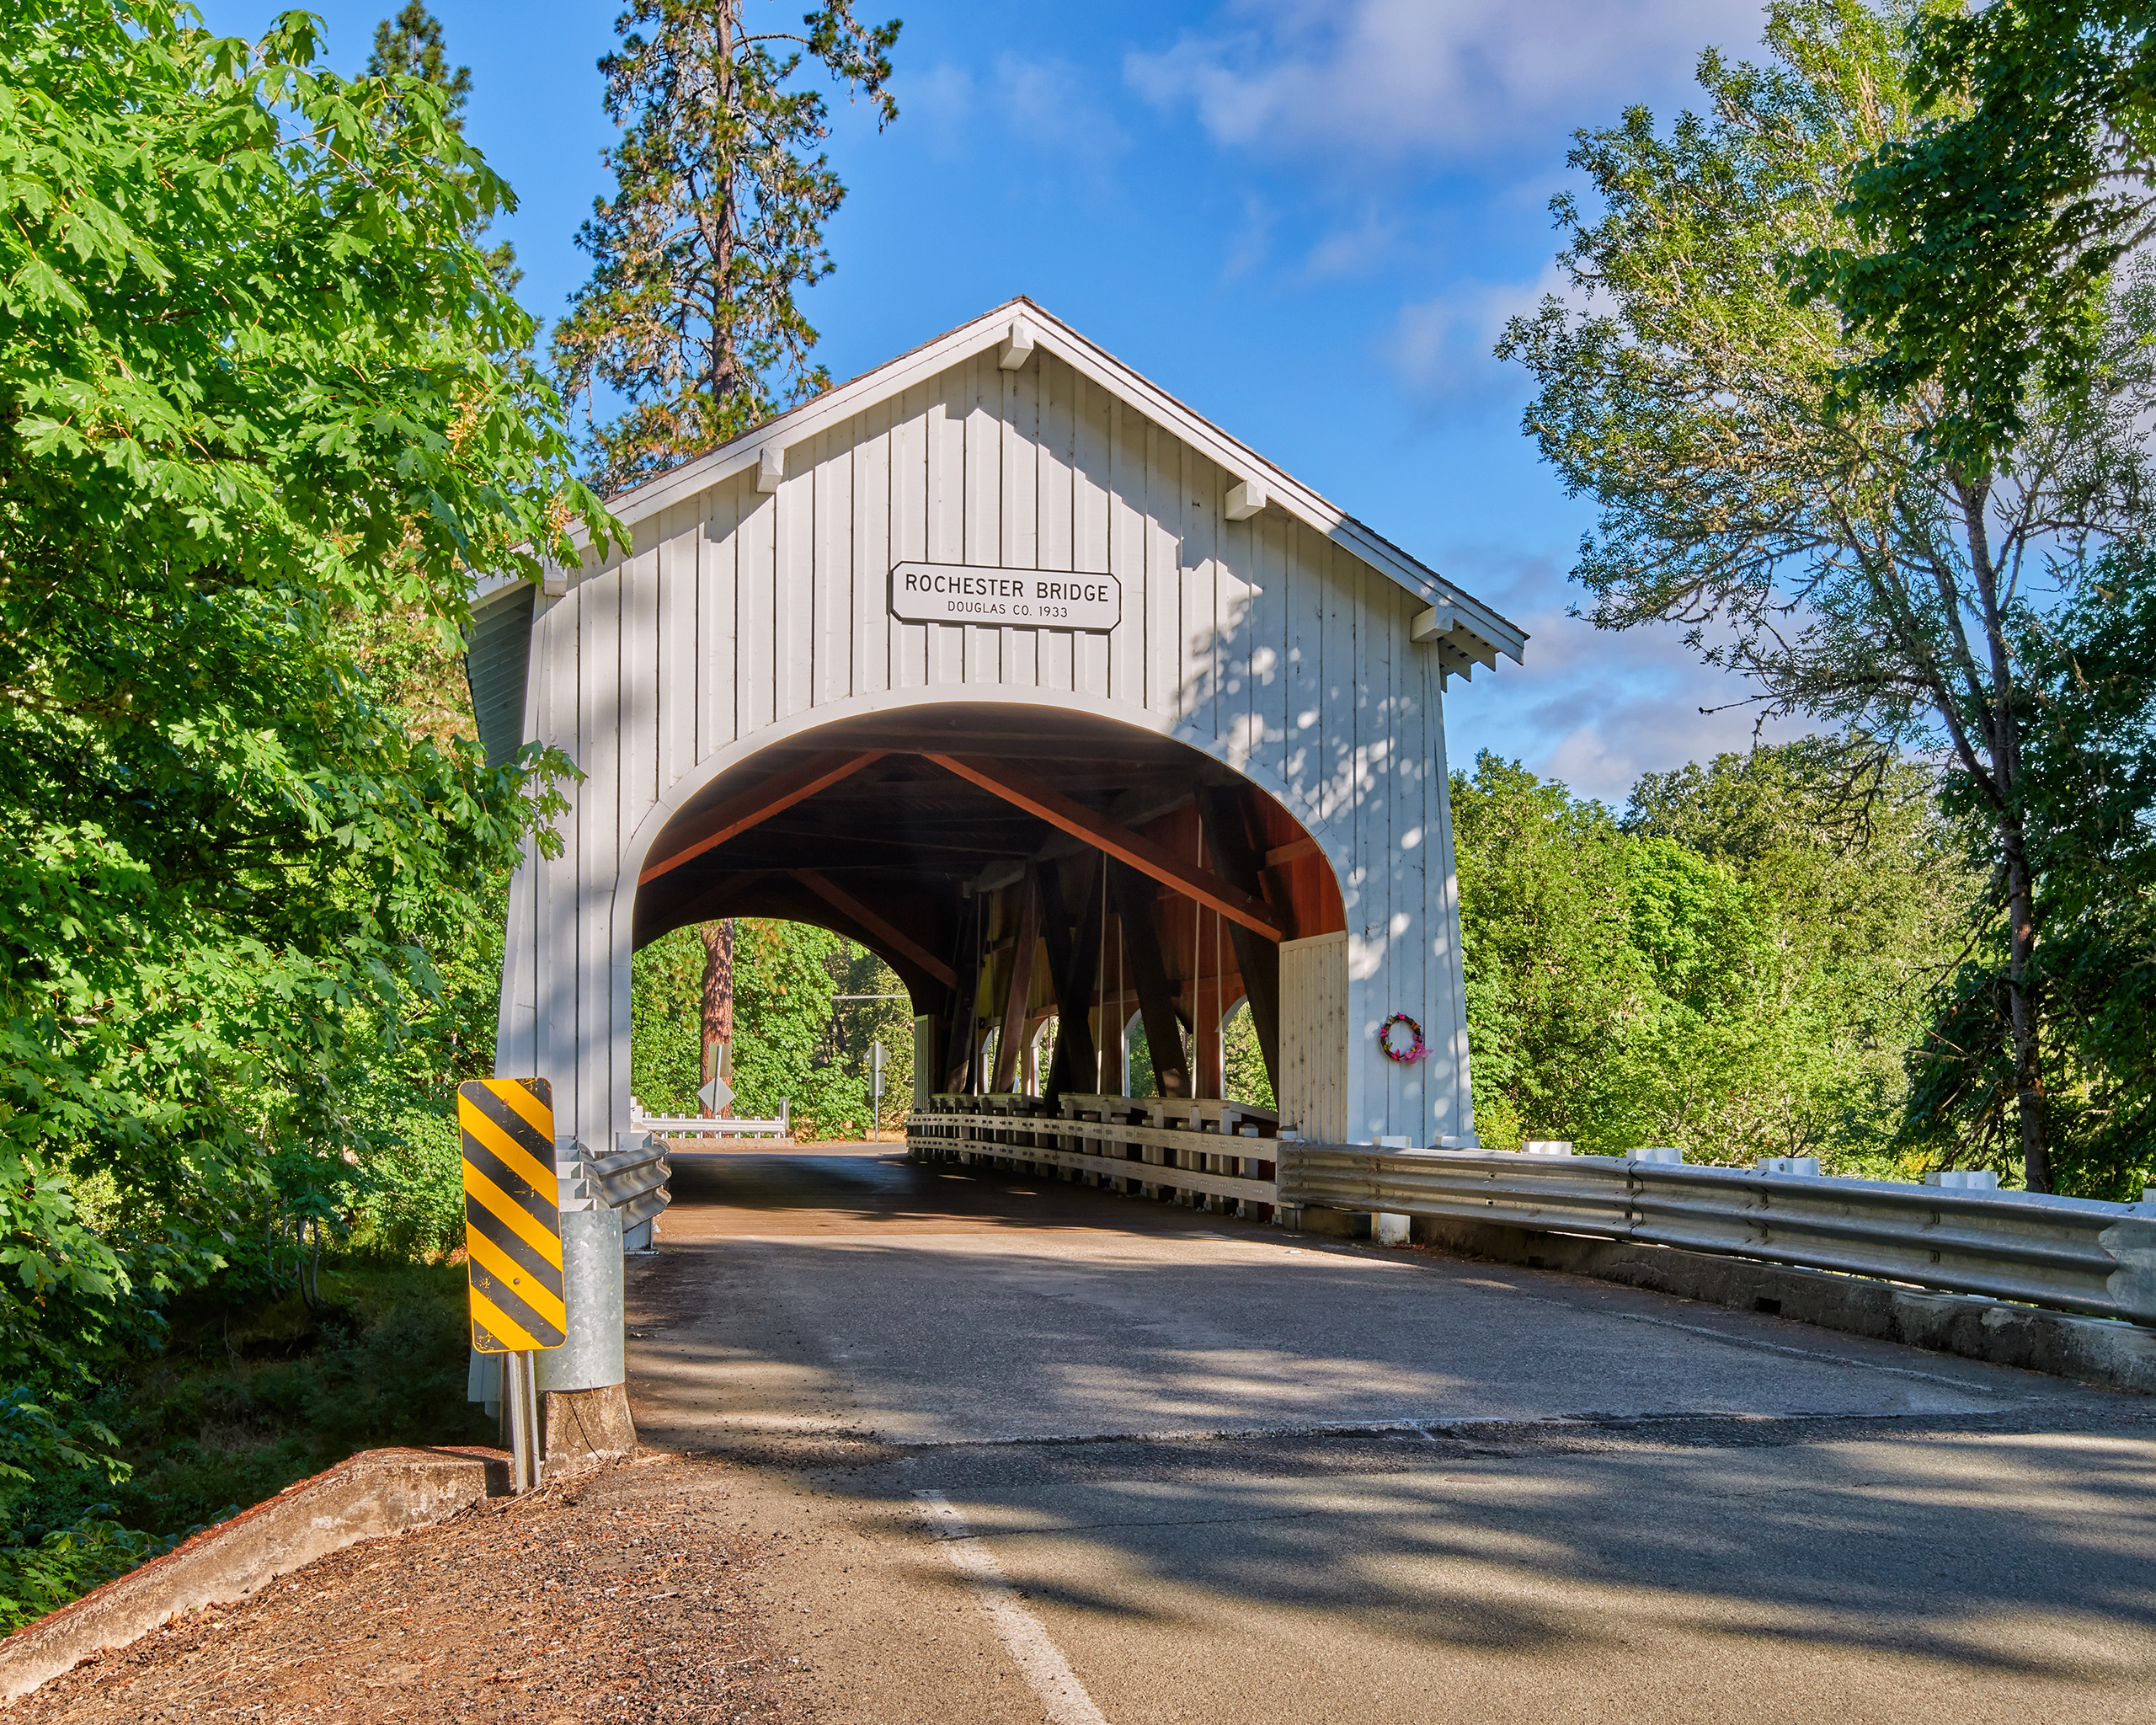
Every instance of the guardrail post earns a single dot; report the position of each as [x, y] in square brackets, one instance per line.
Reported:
[1391, 1227]
[588, 1370]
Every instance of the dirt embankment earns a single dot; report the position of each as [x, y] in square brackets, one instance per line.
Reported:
[626, 1595]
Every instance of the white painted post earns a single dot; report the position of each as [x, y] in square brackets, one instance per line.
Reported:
[1388, 1228]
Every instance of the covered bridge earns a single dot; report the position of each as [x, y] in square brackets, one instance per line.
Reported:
[1005, 664]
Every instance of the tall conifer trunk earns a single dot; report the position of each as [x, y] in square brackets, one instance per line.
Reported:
[718, 1005]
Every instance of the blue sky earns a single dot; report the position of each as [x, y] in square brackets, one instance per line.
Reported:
[1307, 218]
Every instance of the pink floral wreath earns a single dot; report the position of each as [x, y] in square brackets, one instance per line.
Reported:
[1415, 1051]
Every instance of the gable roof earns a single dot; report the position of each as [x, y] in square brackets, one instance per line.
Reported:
[1470, 630]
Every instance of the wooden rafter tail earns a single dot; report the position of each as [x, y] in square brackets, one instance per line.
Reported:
[832, 893]
[1132, 848]
[774, 796]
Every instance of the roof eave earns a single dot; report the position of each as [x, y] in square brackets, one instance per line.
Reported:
[841, 401]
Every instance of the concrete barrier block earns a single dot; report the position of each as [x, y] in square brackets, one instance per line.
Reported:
[2091, 1349]
[1338, 1224]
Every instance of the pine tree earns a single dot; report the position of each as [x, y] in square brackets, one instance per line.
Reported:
[716, 222]
[411, 44]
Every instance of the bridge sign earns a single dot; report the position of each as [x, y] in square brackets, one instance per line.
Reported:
[512, 1214]
[1019, 599]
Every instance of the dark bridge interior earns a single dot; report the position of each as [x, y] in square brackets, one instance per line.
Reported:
[1016, 865]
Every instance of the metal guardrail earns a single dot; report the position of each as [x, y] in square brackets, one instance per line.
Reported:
[696, 1126]
[2080, 1254]
[2077, 1254]
[632, 1181]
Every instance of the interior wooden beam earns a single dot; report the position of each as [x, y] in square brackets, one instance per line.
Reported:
[1227, 833]
[737, 815]
[1133, 849]
[1292, 851]
[897, 939]
[955, 1029]
[1071, 966]
[1012, 1030]
[1141, 946]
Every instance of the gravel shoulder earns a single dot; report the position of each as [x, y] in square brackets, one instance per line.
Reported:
[632, 1594]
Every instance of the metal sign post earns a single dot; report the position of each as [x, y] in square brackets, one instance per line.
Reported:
[513, 1243]
[876, 1096]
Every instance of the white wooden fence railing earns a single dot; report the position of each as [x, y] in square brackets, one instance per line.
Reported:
[2077, 1254]
[1206, 1154]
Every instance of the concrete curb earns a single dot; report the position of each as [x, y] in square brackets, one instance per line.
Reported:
[377, 1491]
[2088, 1349]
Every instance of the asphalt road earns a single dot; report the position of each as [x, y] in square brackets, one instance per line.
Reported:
[1032, 1451]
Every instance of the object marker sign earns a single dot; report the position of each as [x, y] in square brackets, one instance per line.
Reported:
[512, 1214]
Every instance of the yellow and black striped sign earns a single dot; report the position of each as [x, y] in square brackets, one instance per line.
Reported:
[512, 1214]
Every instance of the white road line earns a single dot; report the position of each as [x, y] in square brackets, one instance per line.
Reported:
[1039, 1662]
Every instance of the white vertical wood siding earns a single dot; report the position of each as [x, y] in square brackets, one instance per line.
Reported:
[1315, 1055]
[741, 617]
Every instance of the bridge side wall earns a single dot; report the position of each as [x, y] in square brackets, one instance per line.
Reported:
[742, 617]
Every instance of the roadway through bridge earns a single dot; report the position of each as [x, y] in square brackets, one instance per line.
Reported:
[1034, 1452]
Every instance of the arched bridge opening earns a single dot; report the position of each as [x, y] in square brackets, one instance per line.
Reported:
[1035, 878]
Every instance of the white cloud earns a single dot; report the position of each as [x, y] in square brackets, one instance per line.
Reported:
[1389, 77]
[1253, 239]
[1441, 346]
[939, 101]
[1352, 251]
[1594, 708]
[1048, 103]
[1048, 106]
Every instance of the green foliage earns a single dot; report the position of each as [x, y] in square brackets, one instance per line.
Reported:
[665, 1024]
[1139, 1077]
[1985, 240]
[1243, 1061]
[890, 1021]
[247, 387]
[410, 45]
[791, 1040]
[247, 1396]
[716, 222]
[1819, 548]
[1724, 969]
[67, 1563]
[2087, 697]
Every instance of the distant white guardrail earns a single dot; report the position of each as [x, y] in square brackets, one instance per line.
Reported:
[696, 1126]
[2078, 1254]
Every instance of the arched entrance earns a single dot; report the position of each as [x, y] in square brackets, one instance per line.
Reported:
[1013, 863]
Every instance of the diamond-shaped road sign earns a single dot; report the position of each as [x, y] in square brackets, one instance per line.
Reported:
[716, 1095]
